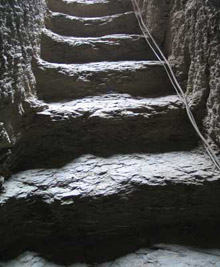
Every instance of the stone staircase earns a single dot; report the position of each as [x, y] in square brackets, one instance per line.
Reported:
[111, 164]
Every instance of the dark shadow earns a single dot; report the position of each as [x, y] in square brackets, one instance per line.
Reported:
[96, 249]
[99, 229]
[41, 157]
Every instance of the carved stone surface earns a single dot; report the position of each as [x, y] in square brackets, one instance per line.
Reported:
[70, 81]
[20, 26]
[103, 171]
[5, 141]
[105, 124]
[61, 49]
[189, 31]
[92, 201]
[125, 23]
[160, 255]
[90, 8]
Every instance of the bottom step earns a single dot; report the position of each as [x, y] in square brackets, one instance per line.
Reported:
[95, 201]
[159, 255]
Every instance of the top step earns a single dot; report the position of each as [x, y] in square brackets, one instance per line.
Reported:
[90, 8]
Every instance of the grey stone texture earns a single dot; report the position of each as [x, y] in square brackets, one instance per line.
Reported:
[125, 23]
[20, 23]
[61, 49]
[190, 34]
[90, 8]
[71, 81]
[2, 180]
[5, 141]
[104, 125]
[162, 255]
[81, 206]
[102, 172]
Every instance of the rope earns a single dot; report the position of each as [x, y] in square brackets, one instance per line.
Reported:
[161, 57]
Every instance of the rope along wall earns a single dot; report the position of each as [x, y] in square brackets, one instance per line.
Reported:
[161, 57]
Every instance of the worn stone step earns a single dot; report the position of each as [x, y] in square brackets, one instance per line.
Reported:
[59, 49]
[93, 206]
[125, 23]
[71, 81]
[164, 255]
[90, 8]
[105, 124]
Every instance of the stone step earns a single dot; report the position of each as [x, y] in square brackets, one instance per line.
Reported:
[125, 23]
[164, 255]
[90, 8]
[105, 124]
[59, 49]
[71, 81]
[75, 211]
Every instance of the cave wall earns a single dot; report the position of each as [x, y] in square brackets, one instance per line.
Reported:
[189, 32]
[20, 25]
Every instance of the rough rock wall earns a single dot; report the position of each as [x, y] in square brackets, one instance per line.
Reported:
[189, 31]
[20, 24]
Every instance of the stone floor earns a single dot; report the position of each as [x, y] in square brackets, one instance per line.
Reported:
[159, 256]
